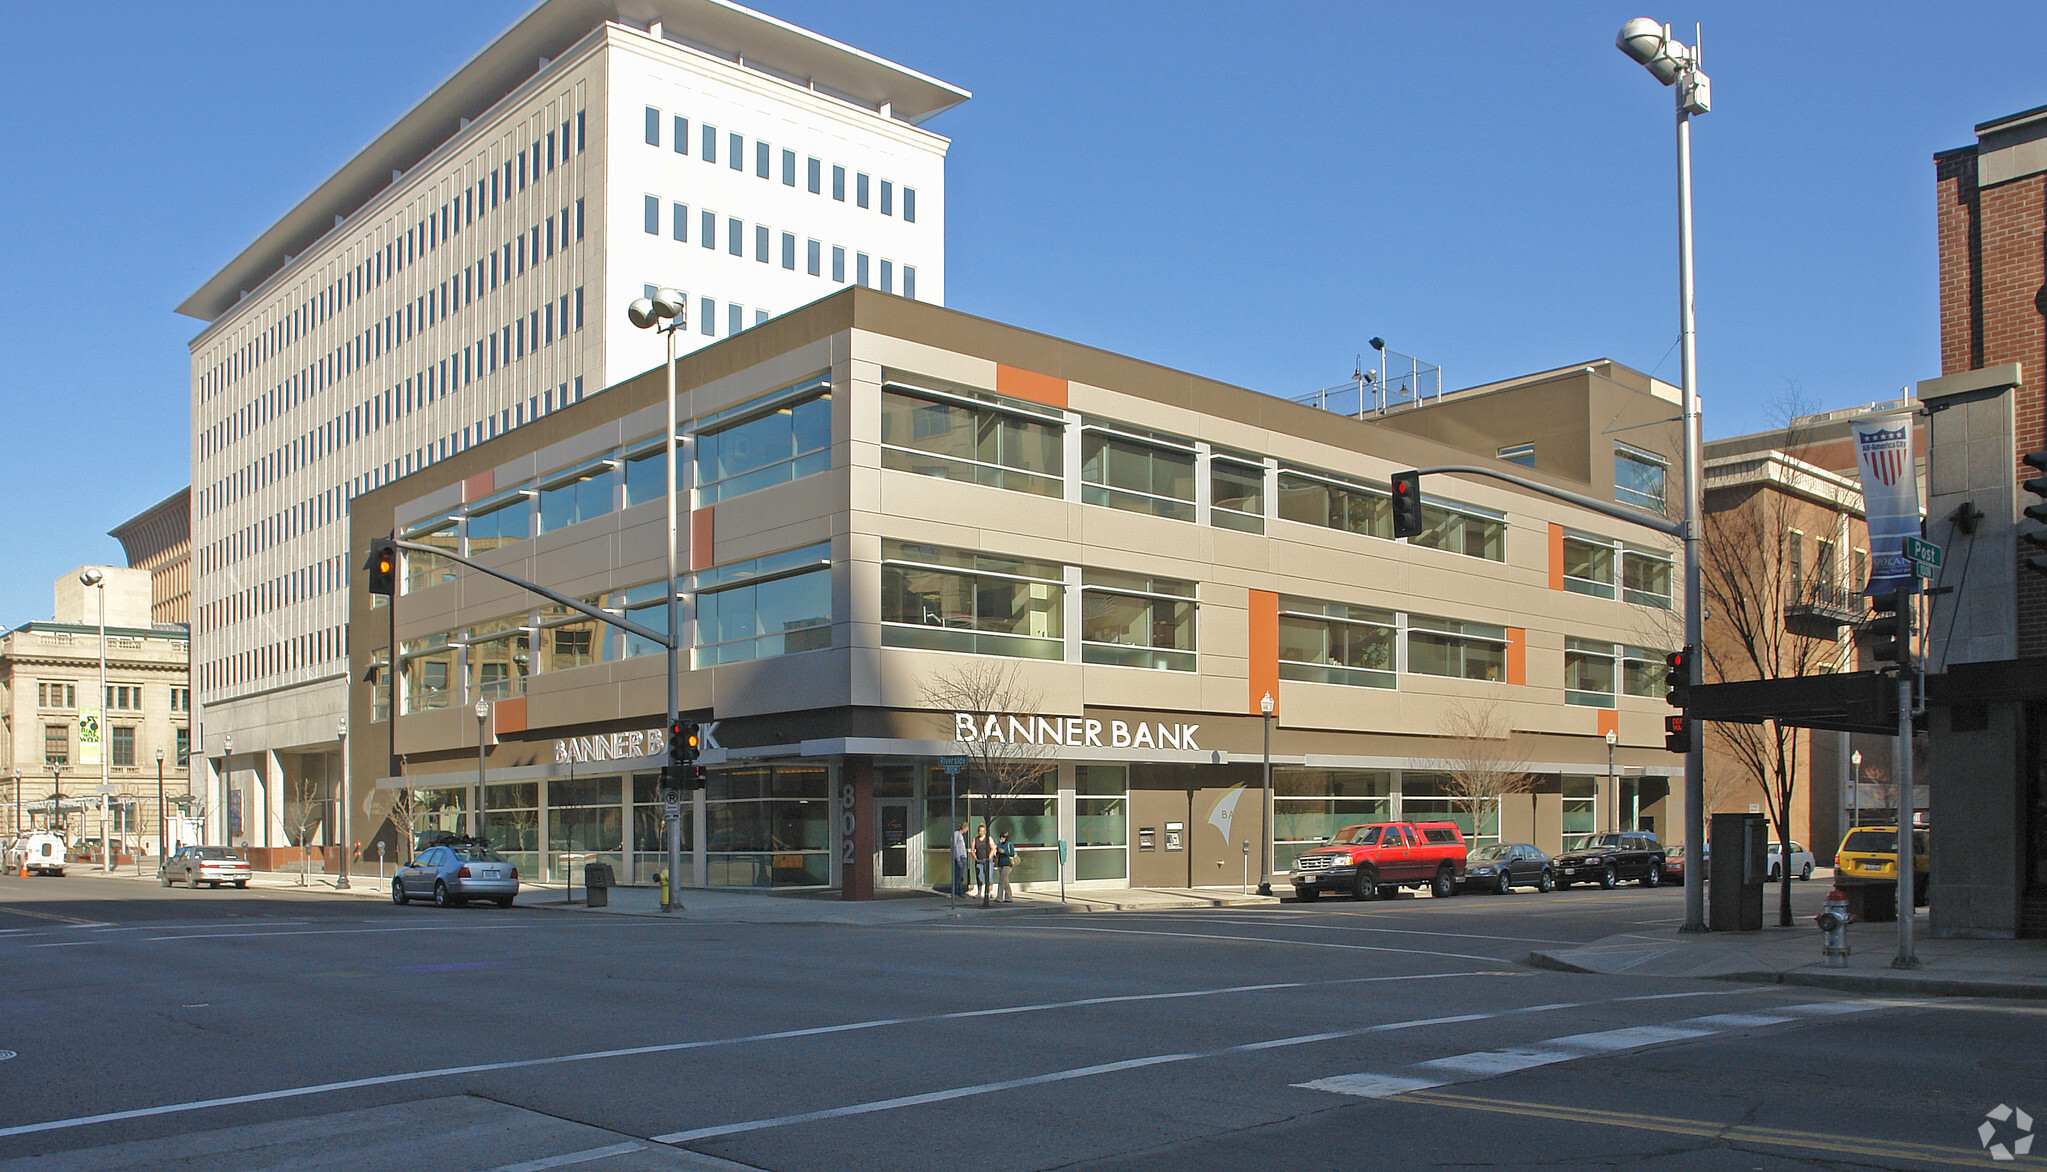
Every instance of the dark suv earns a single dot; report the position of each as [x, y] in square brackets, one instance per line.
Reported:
[1609, 858]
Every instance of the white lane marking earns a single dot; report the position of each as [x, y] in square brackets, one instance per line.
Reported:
[722, 1129]
[709, 1043]
[1264, 940]
[1303, 922]
[333, 932]
[582, 1157]
[1549, 1051]
[66, 944]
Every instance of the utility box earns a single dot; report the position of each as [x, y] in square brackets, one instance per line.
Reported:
[597, 884]
[1740, 863]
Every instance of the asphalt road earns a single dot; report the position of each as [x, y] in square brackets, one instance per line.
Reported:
[244, 1029]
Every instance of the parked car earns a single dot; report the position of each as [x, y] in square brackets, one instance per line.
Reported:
[1609, 858]
[455, 870]
[211, 865]
[1503, 866]
[1801, 861]
[1379, 858]
[1674, 861]
[38, 851]
[1869, 856]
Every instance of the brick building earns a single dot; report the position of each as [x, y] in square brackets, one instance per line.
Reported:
[1986, 645]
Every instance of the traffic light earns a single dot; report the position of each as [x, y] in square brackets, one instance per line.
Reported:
[1891, 619]
[2037, 511]
[684, 741]
[1407, 504]
[695, 777]
[1677, 678]
[1677, 735]
[383, 567]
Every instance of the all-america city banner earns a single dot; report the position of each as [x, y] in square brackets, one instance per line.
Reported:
[1890, 496]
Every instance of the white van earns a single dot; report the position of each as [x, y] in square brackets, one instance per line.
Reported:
[41, 852]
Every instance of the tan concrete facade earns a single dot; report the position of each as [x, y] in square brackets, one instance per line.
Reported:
[1491, 625]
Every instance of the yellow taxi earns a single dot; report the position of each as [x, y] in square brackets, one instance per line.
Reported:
[1869, 854]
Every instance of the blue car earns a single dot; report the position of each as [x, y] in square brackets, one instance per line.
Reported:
[453, 870]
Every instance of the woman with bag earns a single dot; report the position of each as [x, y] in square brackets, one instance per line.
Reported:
[1005, 858]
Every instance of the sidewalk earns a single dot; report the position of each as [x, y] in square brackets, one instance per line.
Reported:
[1791, 956]
[747, 906]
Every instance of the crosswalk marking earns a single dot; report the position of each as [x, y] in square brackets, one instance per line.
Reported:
[1455, 1068]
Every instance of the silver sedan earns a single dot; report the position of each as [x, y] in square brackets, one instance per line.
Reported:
[454, 871]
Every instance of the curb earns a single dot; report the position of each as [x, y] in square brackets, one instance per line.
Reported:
[1924, 986]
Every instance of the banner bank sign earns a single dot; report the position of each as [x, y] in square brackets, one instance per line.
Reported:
[650, 742]
[1072, 731]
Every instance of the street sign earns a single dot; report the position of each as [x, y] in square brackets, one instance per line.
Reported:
[671, 802]
[952, 764]
[1924, 556]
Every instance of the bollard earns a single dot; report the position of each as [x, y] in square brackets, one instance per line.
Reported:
[1833, 922]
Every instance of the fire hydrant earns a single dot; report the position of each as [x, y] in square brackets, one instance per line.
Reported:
[661, 877]
[1833, 921]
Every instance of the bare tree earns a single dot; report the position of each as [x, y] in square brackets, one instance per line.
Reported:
[1756, 588]
[1482, 759]
[304, 814]
[398, 812]
[1002, 767]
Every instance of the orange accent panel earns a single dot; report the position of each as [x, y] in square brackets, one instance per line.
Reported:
[1609, 721]
[703, 538]
[1031, 386]
[1556, 556]
[1517, 655]
[479, 486]
[509, 715]
[1264, 650]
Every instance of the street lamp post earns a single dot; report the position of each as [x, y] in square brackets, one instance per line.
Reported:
[671, 307]
[1855, 789]
[163, 836]
[56, 792]
[1672, 63]
[97, 579]
[227, 786]
[17, 799]
[341, 803]
[482, 716]
[1613, 785]
[1265, 861]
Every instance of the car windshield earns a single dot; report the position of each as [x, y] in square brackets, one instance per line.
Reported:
[213, 852]
[1608, 841]
[1872, 842]
[1356, 836]
[1497, 850]
[477, 854]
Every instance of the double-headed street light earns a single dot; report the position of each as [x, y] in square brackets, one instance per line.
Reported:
[1671, 62]
[163, 836]
[668, 311]
[341, 803]
[97, 579]
[1265, 707]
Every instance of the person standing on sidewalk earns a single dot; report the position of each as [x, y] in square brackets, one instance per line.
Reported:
[1005, 858]
[984, 852]
[959, 860]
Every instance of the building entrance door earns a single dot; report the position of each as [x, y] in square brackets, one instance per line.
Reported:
[893, 859]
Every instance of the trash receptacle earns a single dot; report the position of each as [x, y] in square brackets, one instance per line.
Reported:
[597, 883]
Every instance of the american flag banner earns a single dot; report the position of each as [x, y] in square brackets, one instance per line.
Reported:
[1890, 495]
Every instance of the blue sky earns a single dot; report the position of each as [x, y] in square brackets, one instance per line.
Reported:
[1248, 191]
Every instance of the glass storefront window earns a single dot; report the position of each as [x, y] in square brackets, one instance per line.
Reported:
[1333, 643]
[958, 600]
[436, 812]
[583, 820]
[786, 442]
[974, 443]
[1101, 821]
[1426, 797]
[1309, 805]
[1581, 801]
[1132, 621]
[511, 821]
[1126, 472]
[769, 827]
[650, 829]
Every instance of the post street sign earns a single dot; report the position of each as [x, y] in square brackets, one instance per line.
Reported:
[952, 764]
[1924, 556]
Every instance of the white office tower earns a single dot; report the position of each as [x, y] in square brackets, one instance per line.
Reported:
[468, 272]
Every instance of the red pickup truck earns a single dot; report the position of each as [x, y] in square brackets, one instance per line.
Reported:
[1376, 859]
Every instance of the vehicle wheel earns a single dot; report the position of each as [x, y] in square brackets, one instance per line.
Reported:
[1362, 887]
[398, 893]
[1445, 884]
[1919, 892]
[1505, 885]
[241, 883]
[441, 897]
[1654, 878]
[192, 880]
[1547, 883]
[1775, 874]
[1805, 872]
[1389, 891]
[1608, 879]
[504, 901]
[1305, 894]
[164, 879]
